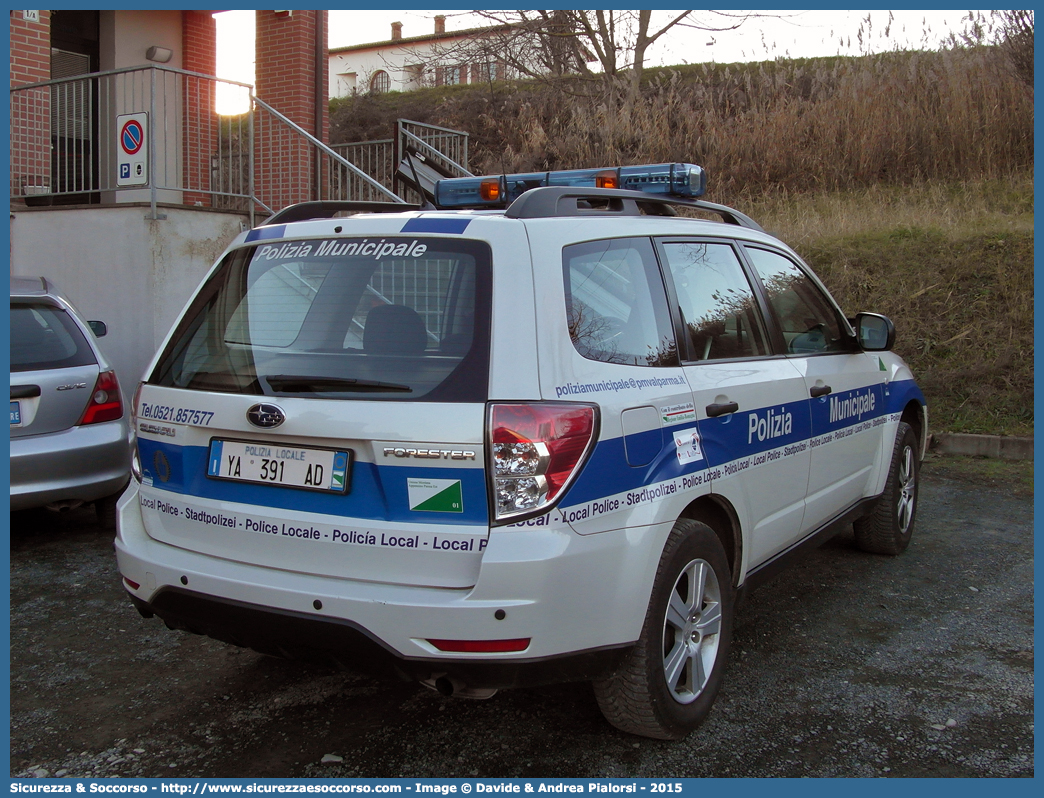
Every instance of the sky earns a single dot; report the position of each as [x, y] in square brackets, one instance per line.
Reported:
[783, 34]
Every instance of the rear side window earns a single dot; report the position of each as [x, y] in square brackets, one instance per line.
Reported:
[46, 337]
[320, 318]
[718, 308]
[616, 304]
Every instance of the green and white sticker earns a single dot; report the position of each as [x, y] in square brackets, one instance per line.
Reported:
[677, 414]
[435, 495]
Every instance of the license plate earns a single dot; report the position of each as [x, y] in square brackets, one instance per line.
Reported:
[16, 414]
[280, 464]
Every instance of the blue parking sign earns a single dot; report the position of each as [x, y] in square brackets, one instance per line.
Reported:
[124, 171]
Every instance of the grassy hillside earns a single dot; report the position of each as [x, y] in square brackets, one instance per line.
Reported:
[798, 125]
[952, 265]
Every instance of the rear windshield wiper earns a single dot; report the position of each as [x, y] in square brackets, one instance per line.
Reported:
[288, 383]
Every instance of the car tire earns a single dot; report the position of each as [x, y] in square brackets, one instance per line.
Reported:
[889, 526]
[105, 510]
[665, 687]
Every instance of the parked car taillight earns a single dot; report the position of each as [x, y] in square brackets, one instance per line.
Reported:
[105, 403]
[535, 450]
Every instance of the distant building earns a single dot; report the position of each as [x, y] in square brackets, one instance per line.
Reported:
[404, 64]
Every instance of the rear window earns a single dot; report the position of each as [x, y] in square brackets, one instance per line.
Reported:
[407, 320]
[46, 337]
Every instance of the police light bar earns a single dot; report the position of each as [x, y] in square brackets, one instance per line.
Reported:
[684, 180]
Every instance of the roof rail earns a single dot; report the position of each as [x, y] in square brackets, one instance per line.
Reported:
[551, 201]
[327, 209]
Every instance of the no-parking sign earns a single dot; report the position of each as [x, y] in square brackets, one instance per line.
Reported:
[132, 150]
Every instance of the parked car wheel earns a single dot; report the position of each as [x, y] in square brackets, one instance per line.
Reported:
[667, 684]
[889, 527]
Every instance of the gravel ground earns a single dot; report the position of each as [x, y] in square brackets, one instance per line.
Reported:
[845, 665]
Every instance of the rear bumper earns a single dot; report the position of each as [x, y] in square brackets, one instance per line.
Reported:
[295, 635]
[579, 600]
[80, 463]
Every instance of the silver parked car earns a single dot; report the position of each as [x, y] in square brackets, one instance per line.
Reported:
[70, 434]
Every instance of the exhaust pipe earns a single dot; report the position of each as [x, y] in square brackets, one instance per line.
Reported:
[450, 687]
[65, 505]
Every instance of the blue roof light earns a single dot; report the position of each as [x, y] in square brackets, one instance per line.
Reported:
[671, 179]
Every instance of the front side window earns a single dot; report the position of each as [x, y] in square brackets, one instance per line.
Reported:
[808, 319]
[616, 304]
[340, 318]
[718, 308]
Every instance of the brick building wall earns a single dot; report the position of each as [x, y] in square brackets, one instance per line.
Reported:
[286, 79]
[30, 48]
[199, 103]
[30, 57]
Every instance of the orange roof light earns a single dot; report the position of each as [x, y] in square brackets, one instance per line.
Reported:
[607, 179]
[489, 190]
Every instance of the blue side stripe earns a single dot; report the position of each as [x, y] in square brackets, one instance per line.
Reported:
[377, 493]
[266, 233]
[425, 224]
[725, 439]
[607, 472]
[900, 393]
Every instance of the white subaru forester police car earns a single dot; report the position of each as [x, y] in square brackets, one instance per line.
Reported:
[541, 429]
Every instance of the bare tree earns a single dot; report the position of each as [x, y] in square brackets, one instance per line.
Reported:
[576, 42]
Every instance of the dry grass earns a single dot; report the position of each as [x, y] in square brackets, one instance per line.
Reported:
[952, 265]
[955, 208]
[784, 126]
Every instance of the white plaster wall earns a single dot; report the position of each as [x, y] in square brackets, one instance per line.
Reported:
[125, 36]
[393, 59]
[115, 265]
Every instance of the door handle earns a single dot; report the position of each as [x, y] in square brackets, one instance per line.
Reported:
[819, 390]
[715, 410]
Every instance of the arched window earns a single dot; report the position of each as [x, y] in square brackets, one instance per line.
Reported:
[380, 82]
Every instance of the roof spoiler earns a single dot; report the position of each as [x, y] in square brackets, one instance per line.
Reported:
[327, 209]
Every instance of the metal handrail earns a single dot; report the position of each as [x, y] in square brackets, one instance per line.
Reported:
[440, 155]
[124, 70]
[63, 128]
[326, 149]
[433, 127]
[362, 143]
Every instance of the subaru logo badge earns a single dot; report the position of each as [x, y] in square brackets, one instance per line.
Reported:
[265, 415]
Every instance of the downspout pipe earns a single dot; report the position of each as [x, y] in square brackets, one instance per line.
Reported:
[320, 97]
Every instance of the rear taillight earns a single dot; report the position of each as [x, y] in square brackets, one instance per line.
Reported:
[105, 403]
[535, 450]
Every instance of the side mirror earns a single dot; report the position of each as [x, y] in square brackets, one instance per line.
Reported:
[875, 332]
[98, 328]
